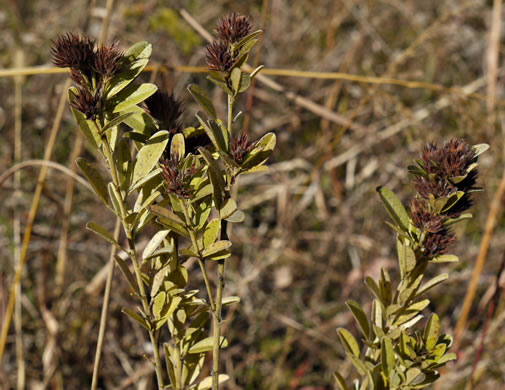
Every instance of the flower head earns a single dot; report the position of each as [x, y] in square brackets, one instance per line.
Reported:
[233, 28]
[423, 219]
[436, 244]
[451, 159]
[219, 57]
[74, 51]
[108, 60]
[239, 147]
[178, 176]
[166, 109]
[87, 103]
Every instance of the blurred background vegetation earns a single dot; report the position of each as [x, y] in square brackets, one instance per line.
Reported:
[314, 228]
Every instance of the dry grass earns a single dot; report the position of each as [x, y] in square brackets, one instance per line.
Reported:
[383, 78]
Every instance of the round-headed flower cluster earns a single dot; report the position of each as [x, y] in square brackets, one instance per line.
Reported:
[446, 170]
[90, 68]
[220, 55]
[177, 177]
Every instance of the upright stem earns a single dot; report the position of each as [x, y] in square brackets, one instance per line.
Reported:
[133, 255]
[220, 284]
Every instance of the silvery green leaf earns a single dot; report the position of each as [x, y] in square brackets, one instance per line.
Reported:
[480, 148]
[201, 98]
[94, 178]
[149, 155]
[131, 96]
[349, 342]
[394, 208]
[207, 344]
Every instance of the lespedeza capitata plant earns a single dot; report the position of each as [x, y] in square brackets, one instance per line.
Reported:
[397, 355]
[176, 178]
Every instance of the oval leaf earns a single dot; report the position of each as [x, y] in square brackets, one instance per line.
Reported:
[207, 345]
[394, 208]
[149, 154]
[94, 178]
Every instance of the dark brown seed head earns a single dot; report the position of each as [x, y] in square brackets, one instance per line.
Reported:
[439, 188]
[218, 56]
[451, 159]
[90, 105]
[436, 244]
[423, 219]
[177, 180]
[74, 51]
[108, 60]
[239, 147]
[233, 28]
[166, 109]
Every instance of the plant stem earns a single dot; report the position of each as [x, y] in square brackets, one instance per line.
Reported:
[220, 284]
[133, 255]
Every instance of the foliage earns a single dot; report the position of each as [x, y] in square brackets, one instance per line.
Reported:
[397, 355]
[158, 180]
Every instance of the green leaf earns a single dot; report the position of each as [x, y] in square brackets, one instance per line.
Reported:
[340, 381]
[132, 95]
[216, 247]
[432, 283]
[261, 152]
[228, 208]
[230, 300]
[149, 154]
[211, 232]
[214, 133]
[87, 128]
[100, 231]
[115, 198]
[452, 221]
[116, 121]
[206, 383]
[135, 60]
[406, 257]
[431, 330]
[139, 50]
[170, 219]
[126, 272]
[159, 303]
[201, 98]
[154, 173]
[207, 344]
[374, 288]
[136, 317]
[94, 178]
[221, 255]
[445, 259]
[154, 243]
[124, 166]
[394, 208]
[480, 148]
[186, 252]
[245, 82]
[360, 317]
[216, 177]
[235, 77]
[349, 342]
[177, 146]
[376, 315]
[237, 217]
[387, 355]
[254, 35]
[141, 123]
